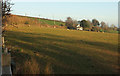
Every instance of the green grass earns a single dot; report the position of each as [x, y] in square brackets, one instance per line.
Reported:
[112, 31]
[50, 22]
[66, 51]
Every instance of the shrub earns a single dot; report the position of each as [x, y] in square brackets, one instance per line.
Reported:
[26, 22]
[18, 50]
[61, 25]
[87, 29]
[48, 69]
[95, 28]
[31, 67]
[101, 30]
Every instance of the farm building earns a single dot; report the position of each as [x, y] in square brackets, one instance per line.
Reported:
[79, 27]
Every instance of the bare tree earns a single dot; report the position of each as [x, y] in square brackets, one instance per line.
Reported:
[6, 9]
[106, 27]
[103, 24]
[112, 26]
[69, 23]
[75, 23]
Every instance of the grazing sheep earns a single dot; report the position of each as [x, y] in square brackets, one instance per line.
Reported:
[15, 26]
[6, 25]
[28, 25]
[54, 27]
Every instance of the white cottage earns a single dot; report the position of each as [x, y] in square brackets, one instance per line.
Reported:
[79, 27]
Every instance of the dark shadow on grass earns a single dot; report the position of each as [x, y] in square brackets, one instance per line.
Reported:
[53, 38]
[72, 61]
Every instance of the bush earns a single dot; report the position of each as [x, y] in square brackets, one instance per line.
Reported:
[18, 50]
[111, 31]
[87, 29]
[96, 29]
[26, 22]
[101, 30]
[61, 25]
[29, 66]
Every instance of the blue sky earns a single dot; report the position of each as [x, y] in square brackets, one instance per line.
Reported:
[106, 11]
[65, 0]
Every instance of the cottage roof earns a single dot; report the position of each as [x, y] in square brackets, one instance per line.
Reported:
[78, 25]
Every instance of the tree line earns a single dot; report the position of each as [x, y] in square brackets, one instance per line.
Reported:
[88, 25]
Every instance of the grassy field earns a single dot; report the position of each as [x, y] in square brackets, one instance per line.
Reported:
[50, 22]
[45, 21]
[37, 50]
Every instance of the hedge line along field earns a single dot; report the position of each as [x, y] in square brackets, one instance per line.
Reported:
[42, 50]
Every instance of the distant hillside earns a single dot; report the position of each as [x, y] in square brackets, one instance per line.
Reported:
[17, 20]
[48, 21]
[41, 18]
